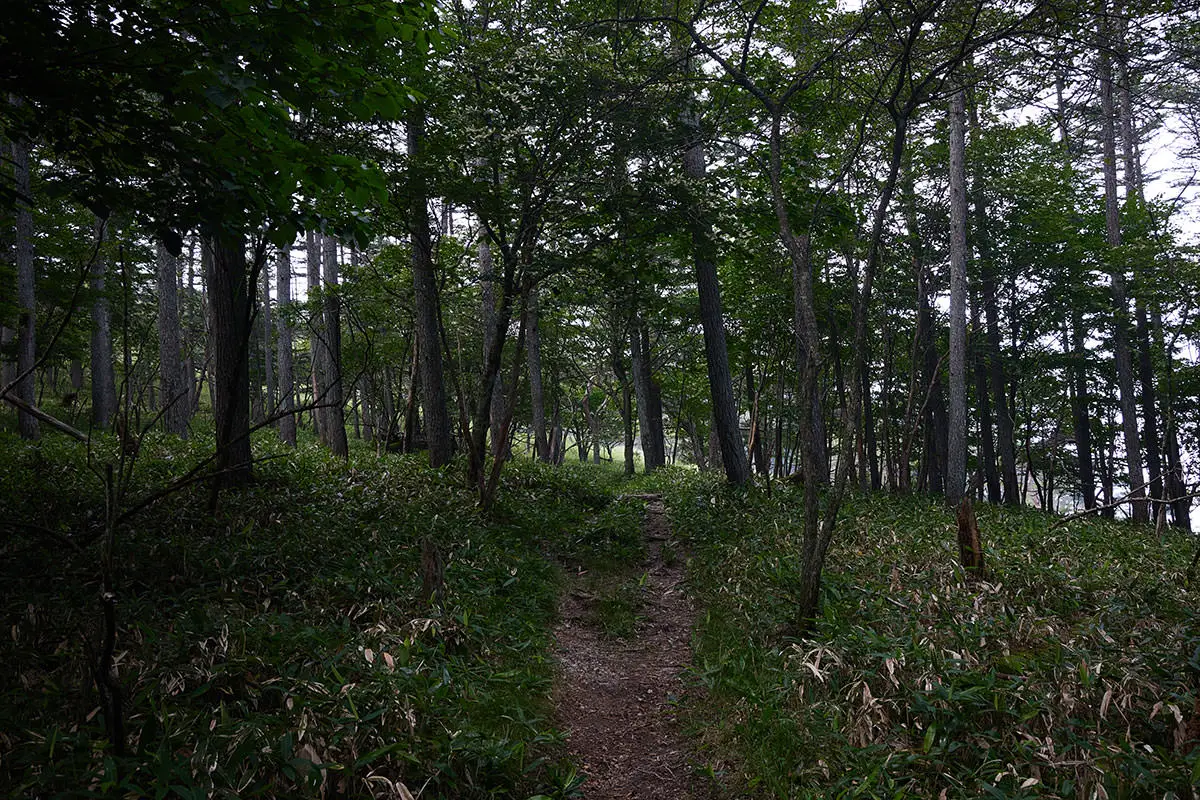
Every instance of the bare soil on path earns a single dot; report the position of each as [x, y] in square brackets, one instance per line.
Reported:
[616, 697]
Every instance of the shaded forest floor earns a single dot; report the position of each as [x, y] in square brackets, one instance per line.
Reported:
[283, 646]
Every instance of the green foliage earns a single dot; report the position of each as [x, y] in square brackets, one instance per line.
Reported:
[1064, 674]
[280, 645]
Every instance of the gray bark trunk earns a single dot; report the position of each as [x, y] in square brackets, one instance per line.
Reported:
[956, 456]
[335, 414]
[268, 342]
[537, 395]
[27, 424]
[487, 279]
[1121, 335]
[172, 384]
[316, 334]
[287, 390]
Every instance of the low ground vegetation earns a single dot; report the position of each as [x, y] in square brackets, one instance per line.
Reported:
[283, 645]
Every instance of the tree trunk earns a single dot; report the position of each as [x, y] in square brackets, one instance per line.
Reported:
[231, 288]
[170, 362]
[487, 280]
[956, 461]
[716, 355]
[997, 379]
[1081, 409]
[331, 305]
[104, 383]
[433, 395]
[27, 424]
[287, 389]
[648, 398]
[1121, 352]
[617, 362]
[1176, 487]
[754, 398]
[987, 441]
[869, 435]
[537, 395]
[272, 401]
[316, 335]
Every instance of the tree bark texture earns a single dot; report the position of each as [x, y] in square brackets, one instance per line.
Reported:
[334, 433]
[956, 456]
[283, 340]
[231, 289]
[433, 385]
[27, 424]
[316, 330]
[712, 321]
[173, 386]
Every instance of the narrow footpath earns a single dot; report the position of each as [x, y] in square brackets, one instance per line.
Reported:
[616, 697]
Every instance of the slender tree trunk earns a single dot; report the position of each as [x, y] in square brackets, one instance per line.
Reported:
[997, 377]
[1134, 199]
[1121, 335]
[170, 361]
[925, 353]
[720, 379]
[869, 435]
[653, 446]
[437, 419]
[537, 395]
[104, 383]
[617, 362]
[1081, 409]
[27, 424]
[1106, 479]
[956, 463]
[272, 403]
[231, 286]
[316, 334]
[287, 390]
[987, 441]
[757, 450]
[1176, 487]
[487, 280]
[335, 414]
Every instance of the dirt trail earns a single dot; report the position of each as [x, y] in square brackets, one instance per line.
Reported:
[615, 697]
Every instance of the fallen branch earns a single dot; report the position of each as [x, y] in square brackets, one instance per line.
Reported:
[1124, 499]
[52, 421]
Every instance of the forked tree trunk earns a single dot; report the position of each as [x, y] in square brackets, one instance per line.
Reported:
[433, 387]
